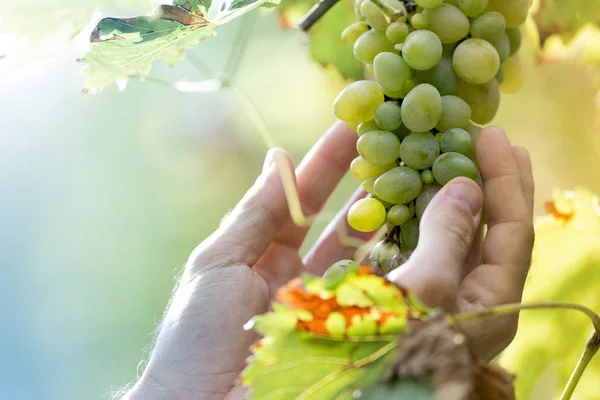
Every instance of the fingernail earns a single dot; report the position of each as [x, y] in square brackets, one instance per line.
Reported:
[468, 194]
[268, 160]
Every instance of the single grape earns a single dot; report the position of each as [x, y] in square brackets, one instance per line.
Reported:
[514, 36]
[428, 3]
[488, 26]
[500, 75]
[365, 127]
[409, 234]
[476, 61]
[398, 215]
[484, 100]
[357, 12]
[448, 49]
[456, 140]
[419, 150]
[358, 101]
[409, 85]
[399, 185]
[384, 253]
[353, 31]
[419, 21]
[513, 75]
[449, 23]
[424, 198]
[373, 15]
[389, 116]
[442, 76]
[474, 131]
[427, 176]
[366, 215]
[451, 165]
[514, 11]
[473, 8]
[502, 46]
[402, 132]
[368, 185]
[371, 43]
[397, 32]
[456, 113]
[391, 71]
[422, 108]
[422, 49]
[379, 147]
[362, 170]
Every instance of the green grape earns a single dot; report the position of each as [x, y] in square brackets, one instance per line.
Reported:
[484, 100]
[399, 185]
[402, 132]
[514, 36]
[456, 113]
[366, 215]
[449, 23]
[362, 170]
[422, 50]
[398, 215]
[357, 12]
[429, 3]
[409, 234]
[427, 176]
[442, 76]
[393, 94]
[368, 185]
[473, 8]
[448, 49]
[452, 2]
[514, 11]
[427, 194]
[422, 108]
[476, 61]
[358, 101]
[391, 71]
[386, 204]
[365, 127]
[502, 46]
[378, 147]
[397, 32]
[389, 116]
[451, 165]
[500, 75]
[474, 131]
[419, 150]
[353, 31]
[513, 75]
[409, 85]
[334, 276]
[371, 43]
[384, 253]
[488, 26]
[456, 140]
[373, 15]
[419, 21]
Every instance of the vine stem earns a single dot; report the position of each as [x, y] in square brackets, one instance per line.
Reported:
[315, 14]
[591, 348]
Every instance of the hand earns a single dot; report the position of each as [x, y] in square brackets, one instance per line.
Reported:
[454, 266]
[230, 277]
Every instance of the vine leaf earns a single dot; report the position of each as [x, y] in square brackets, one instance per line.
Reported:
[121, 48]
[326, 46]
[404, 389]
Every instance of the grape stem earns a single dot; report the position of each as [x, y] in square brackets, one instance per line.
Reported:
[315, 14]
[591, 348]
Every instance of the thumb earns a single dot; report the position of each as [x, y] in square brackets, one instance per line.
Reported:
[447, 231]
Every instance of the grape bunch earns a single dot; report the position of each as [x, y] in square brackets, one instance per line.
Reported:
[438, 68]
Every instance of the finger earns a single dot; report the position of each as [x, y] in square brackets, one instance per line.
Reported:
[526, 169]
[318, 175]
[509, 238]
[447, 231]
[248, 230]
[329, 247]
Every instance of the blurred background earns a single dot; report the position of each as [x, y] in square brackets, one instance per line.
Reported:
[102, 197]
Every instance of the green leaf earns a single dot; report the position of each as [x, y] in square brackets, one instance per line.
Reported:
[566, 267]
[301, 366]
[326, 46]
[38, 19]
[404, 389]
[125, 47]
